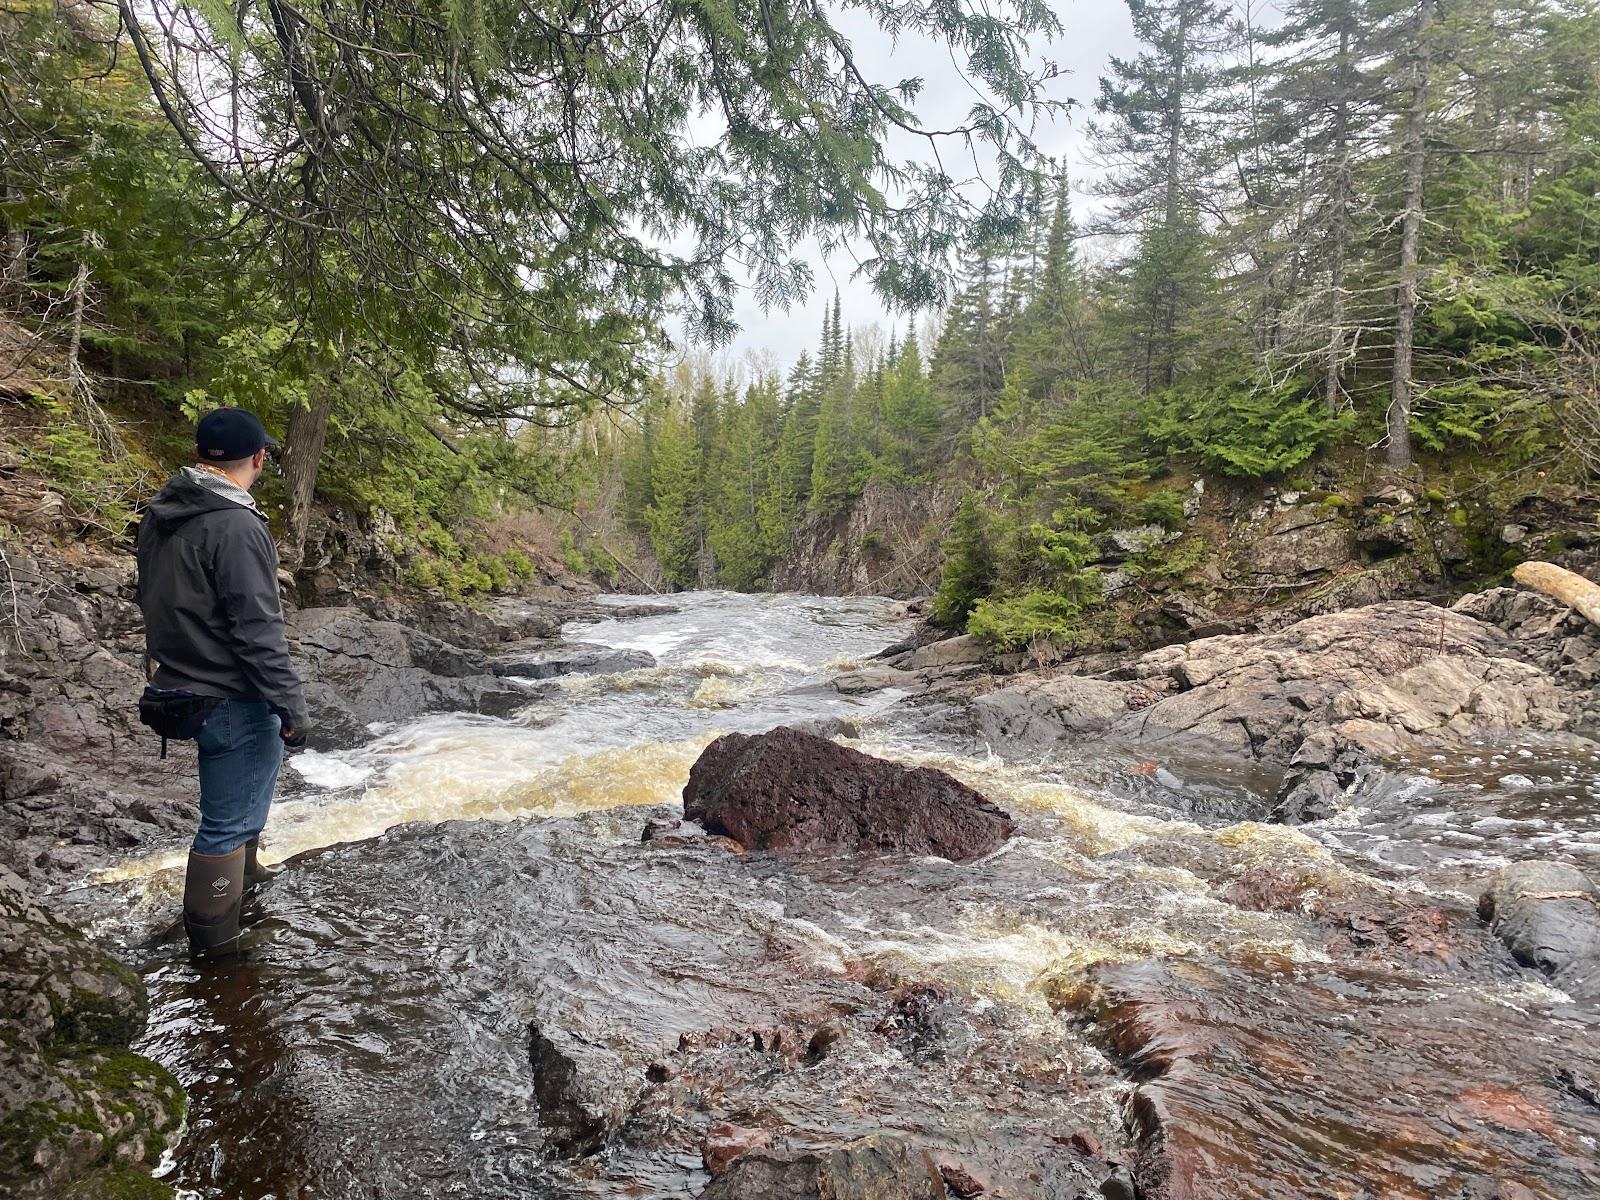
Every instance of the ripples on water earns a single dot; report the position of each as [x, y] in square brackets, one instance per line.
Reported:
[375, 1041]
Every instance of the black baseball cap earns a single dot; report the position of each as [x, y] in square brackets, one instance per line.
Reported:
[229, 434]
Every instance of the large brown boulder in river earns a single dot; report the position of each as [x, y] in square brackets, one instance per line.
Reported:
[794, 792]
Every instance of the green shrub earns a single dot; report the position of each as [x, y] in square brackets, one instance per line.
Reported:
[1010, 623]
[439, 540]
[1163, 508]
[474, 578]
[96, 487]
[423, 573]
[572, 557]
[495, 568]
[1238, 421]
[1174, 559]
[518, 563]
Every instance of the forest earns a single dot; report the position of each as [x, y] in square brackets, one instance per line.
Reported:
[1346, 227]
[1361, 229]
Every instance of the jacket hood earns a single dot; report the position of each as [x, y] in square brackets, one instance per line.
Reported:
[184, 498]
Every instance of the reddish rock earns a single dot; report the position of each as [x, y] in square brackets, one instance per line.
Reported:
[724, 1142]
[880, 1167]
[959, 1179]
[794, 792]
[1086, 1144]
[1260, 1078]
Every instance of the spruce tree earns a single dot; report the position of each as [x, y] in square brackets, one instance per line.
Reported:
[1160, 134]
[969, 570]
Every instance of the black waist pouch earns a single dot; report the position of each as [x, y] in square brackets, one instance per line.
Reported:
[176, 716]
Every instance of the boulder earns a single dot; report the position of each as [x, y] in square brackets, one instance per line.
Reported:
[359, 670]
[570, 658]
[1548, 915]
[1030, 717]
[879, 1167]
[1323, 772]
[962, 651]
[797, 793]
[79, 1114]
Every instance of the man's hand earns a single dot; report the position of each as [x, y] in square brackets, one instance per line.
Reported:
[294, 736]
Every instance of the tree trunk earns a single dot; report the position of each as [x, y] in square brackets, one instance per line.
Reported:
[1173, 197]
[1338, 229]
[76, 379]
[1571, 589]
[1405, 318]
[80, 391]
[302, 454]
[14, 271]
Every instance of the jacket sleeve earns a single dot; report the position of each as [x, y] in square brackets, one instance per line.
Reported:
[245, 571]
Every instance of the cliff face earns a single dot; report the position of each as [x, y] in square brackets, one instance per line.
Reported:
[886, 544]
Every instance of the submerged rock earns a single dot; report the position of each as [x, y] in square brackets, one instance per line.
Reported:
[571, 658]
[1263, 1078]
[1548, 915]
[79, 1114]
[871, 1168]
[797, 793]
[725, 1142]
[583, 1089]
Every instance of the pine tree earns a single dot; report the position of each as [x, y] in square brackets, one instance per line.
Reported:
[1053, 342]
[798, 444]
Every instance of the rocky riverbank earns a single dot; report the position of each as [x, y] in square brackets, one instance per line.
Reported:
[757, 1014]
[83, 786]
[82, 783]
[1323, 705]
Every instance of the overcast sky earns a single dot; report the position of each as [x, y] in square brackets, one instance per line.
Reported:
[1094, 30]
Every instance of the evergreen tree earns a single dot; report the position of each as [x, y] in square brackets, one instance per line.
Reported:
[968, 566]
[1161, 134]
[676, 507]
[1053, 342]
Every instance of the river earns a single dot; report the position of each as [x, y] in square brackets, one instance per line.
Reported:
[463, 878]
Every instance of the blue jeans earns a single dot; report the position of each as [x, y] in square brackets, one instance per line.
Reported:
[240, 753]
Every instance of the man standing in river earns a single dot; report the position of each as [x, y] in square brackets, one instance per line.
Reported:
[208, 585]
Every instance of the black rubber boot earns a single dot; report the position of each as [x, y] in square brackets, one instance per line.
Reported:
[212, 892]
[255, 873]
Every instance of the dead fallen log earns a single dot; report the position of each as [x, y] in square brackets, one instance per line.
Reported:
[1568, 587]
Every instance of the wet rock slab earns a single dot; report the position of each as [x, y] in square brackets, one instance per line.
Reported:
[797, 793]
[556, 1008]
[1548, 915]
[570, 658]
[1266, 1079]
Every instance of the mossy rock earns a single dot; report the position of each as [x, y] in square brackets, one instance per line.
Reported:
[80, 1114]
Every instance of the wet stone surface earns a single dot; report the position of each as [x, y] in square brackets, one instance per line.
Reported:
[1266, 1078]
